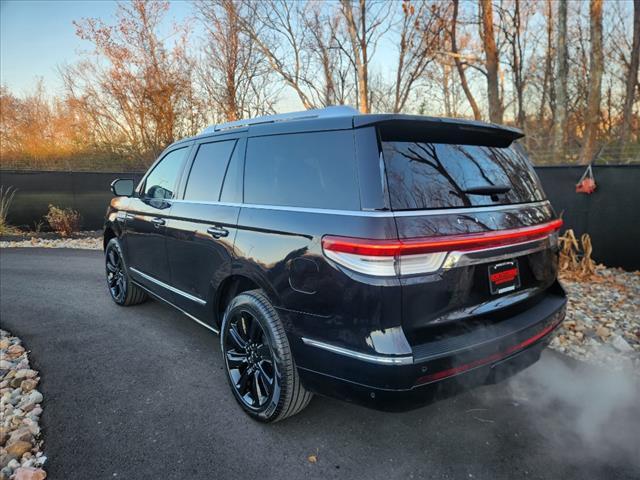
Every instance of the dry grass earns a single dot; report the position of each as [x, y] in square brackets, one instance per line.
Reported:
[6, 198]
[575, 257]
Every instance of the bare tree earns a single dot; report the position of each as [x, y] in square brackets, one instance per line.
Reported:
[136, 91]
[560, 106]
[418, 44]
[548, 90]
[299, 42]
[513, 23]
[595, 84]
[279, 34]
[333, 66]
[233, 74]
[36, 129]
[365, 24]
[491, 54]
[459, 65]
[632, 75]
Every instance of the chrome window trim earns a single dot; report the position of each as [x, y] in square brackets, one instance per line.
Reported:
[155, 295]
[403, 360]
[371, 213]
[168, 287]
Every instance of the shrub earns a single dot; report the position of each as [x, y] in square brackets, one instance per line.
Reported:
[64, 221]
[6, 197]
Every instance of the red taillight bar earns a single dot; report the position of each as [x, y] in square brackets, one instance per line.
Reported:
[413, 246]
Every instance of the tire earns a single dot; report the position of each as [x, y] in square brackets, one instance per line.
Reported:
[123, 291]
[261, 352]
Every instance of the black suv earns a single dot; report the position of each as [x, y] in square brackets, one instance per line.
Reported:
[381, 259]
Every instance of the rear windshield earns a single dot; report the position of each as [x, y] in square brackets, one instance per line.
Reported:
[437, 175]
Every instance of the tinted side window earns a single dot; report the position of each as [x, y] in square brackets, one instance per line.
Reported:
[232, 185]
[436, 175]
[161, 182]
[302, 170]
[207, 171]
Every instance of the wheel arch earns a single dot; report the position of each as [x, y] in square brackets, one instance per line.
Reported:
[232, 286]
[108, 234]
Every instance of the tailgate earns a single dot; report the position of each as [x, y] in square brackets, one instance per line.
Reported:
[475, 209]
[477, 283]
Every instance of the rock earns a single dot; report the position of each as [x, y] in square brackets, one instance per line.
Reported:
[621, 344]
[26, 373]
[32, 426]
[5, 364]
[4, 344]
[27, 385]
[5, 473]
[35, 413]
[603, 332]
[29, 402]
[30, 473]
[4, 434]
[20, 435]
[15, 382]
[14, 351]
[16, 450]
[13, 464]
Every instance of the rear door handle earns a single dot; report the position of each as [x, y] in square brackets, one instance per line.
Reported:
[158, 222]
[217, 232]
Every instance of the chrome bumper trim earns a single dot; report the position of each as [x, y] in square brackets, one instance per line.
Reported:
[383, 360]
[496, 254]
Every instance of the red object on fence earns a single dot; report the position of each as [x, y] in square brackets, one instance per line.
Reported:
[586, 184]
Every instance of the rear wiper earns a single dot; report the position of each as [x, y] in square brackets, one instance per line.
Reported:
[487, 190]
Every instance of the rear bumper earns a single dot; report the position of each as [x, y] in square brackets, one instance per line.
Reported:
[436, 369]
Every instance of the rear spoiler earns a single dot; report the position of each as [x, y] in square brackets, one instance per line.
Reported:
[417, 128]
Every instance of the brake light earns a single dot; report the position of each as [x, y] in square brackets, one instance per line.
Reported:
[425, 254]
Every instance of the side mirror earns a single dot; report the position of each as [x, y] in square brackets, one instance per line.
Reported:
[122, 187]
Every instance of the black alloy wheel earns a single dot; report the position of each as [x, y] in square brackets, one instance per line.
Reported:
[249, 360]
[116, 277]
[122, 290]
[260, 367]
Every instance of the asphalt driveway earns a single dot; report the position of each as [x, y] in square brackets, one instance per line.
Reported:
[140, 393]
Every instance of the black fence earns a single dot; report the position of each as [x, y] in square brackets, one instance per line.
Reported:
[611, 215]
[86, 192]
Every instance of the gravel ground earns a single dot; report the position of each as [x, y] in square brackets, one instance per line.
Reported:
[86, 243]
[603, 320]
[21, 456]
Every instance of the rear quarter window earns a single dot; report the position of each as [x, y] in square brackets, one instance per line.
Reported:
[423, 175]
[302, 170]
[208, 170]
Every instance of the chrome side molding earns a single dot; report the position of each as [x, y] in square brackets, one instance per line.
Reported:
[379, 359]
[168, 287]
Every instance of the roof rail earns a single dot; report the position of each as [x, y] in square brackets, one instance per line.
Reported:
[327, 112]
